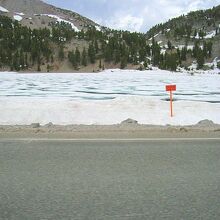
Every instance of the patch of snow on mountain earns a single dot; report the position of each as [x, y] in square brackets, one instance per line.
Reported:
[17, 17]
[181, 46]
[197, 36]
[213, 63]
[154, 36]
[163, 51]
[59, 20]
[19, 13]
[210, 34]
[190, 47]
[3, 9]
[98, 28]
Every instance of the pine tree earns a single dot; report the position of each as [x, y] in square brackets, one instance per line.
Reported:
[169, 45]
[209, 48]
[91, 53]
[72, 59]
[77, 57]
[39, 64]
[61, 54]
[26, 60]
[100, 64]
[96, 47]
[84, 57]
[123, 62]
[200, 59]
[21, 59]
[48, 68]
[16, 62]
[51, 59]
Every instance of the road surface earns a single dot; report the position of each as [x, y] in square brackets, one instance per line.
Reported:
[110, 180]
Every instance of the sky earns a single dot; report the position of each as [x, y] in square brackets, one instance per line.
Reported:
[132, 15]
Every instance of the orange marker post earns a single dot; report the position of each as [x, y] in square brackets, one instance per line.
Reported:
[170, 88]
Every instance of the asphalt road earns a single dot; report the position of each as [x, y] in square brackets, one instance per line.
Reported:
[103, 180]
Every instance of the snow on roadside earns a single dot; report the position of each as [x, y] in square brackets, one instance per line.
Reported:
[3, 9]
[146, 110]
[59, 20]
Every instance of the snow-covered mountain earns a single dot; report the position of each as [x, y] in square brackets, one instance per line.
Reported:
[38, 14]
[184, 31]
[43, 36]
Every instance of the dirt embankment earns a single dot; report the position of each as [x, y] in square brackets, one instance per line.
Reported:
[127, 129]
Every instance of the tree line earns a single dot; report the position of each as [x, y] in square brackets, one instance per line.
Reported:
[22, 48]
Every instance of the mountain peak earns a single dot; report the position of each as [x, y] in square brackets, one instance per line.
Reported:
[38, 14]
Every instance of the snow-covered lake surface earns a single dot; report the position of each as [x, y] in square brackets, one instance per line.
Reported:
[111, 85]
[108, 97]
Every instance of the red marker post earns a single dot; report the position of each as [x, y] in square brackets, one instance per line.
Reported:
[170, 88]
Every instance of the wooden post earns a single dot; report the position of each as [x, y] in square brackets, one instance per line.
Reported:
[171, 104]
[171, 88]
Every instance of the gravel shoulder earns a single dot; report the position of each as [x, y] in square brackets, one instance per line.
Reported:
[127, 129]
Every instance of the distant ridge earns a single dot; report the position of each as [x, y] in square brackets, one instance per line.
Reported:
[36, 36]
[33, 14]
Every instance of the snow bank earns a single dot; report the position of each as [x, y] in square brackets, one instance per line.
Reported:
[3, 9]
[17, 17]
[59, 20]
[145, 110]
[108, 97]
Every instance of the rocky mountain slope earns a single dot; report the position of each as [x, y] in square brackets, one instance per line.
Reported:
[187, 30]
[35, 36]
[38, 14]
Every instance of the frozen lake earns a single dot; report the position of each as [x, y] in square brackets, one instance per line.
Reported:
[110, 85]
[108, 98]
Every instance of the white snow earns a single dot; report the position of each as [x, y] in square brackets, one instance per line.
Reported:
[143, 109]
[213, 63]
[19, 13]
[98, 28]
[3, 9]
[193, 66]
[59, 20]
[189, 47]
[163, 51]
[154, 36]
[197, 36]
[210, 34]
[17, 17]
[108, 97]
[180, 46]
